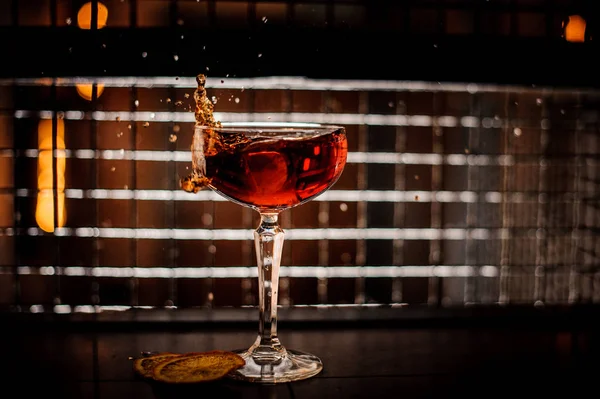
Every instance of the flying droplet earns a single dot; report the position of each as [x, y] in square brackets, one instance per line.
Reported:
[517, 132]
[237, 100]
[137, 103]
[146, 124]
[176, 57]
[176, 128]
[172, 138]
[118, 119]
[113, 169]
[69, 21]
[144, 54]
[214, 99]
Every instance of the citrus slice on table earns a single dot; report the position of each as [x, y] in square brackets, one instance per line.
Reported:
[144, 365]
[197, 367]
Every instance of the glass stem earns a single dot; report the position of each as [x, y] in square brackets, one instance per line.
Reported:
[268, 241]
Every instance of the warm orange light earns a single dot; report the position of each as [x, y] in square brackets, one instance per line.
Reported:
[84, 16]
[575, 29]
[85, 90]
[44, 212]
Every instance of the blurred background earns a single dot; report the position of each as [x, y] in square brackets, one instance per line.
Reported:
[472, 176]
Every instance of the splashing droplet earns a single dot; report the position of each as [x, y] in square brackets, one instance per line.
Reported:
[214, 99]
[187, 95]
[118, 119]
[172, 138]
[146, 124]
[517, 132]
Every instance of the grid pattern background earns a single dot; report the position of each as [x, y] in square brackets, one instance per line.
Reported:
[453, 194]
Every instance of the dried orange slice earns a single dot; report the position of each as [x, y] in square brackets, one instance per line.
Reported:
[144, 365]
[197, 367]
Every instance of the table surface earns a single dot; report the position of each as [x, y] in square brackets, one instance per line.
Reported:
[379, 357]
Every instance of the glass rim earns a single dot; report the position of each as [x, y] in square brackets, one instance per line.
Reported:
[270, 126]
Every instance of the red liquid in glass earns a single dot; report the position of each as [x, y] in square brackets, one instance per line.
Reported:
[277, 172]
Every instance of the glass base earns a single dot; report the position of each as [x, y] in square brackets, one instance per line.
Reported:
[289, 366]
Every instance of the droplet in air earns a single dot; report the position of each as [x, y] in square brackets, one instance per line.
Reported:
[517, 132]
[113, 169]
[187, 95]
[137, 103]
[120, 134]
[129, 126]
[259, 55]
[172, 138]
[152, 115]
[176, 128]
[237, 100]
[144, 54]
[214, 99]
[118, 119]
[416, 197]
[176, 57]
[265, 19]
[146, 124]
[538, 101]
[391, 104]
[180, 22]
[417, 177]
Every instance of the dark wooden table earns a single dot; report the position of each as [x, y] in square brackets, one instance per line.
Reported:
[367, 353]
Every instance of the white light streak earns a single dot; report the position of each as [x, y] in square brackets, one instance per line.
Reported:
[251, 272]
[288, 83]
[291, 234]
[353, 157]
[493, 197]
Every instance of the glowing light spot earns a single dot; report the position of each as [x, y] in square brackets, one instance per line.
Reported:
[45, 207]
[575, 29]
[85, 90]
[84, 16]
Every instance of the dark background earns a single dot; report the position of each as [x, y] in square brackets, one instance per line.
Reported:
[499, 41]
